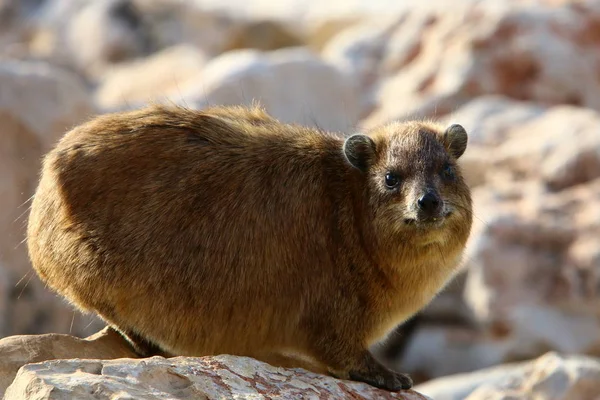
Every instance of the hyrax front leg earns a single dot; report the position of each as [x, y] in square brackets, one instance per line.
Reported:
[354, 362]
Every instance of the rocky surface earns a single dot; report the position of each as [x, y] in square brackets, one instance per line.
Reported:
[550, 377]
[315, 92]
[150, 78]
[183, 378]
[429, 62]
[520, 75]
[20, 350]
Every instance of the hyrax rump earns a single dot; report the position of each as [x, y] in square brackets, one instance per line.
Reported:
[224, 231]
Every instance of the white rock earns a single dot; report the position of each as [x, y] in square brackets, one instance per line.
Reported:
[48, 100]
[358, 51]
[148, 79]
[434, 351]
[561, 146]
[19, 350]
[294, 85]
[431, 61]
[550, 377]
[523, 276]
[489, 120]
[184, 378]
[104, 32]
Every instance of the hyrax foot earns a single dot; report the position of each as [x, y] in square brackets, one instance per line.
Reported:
[388, 380]
[369, 370]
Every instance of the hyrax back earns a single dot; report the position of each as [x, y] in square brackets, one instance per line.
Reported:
[225, 231]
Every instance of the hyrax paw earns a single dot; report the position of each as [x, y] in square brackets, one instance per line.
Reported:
[388, 380]
[398, 382]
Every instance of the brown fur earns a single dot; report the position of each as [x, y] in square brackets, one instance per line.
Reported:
[225, 231]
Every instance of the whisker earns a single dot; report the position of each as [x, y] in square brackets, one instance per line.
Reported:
[437, 245]
[466, 259]
[20, 243]
[468, 210]
[27, 201]
[24, 276]
[90, 324]
[23, 213]
[24, 287]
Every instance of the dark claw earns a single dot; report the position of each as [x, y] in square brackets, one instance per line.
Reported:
[391, 381]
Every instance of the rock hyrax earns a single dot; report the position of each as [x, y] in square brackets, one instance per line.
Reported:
[225, 231]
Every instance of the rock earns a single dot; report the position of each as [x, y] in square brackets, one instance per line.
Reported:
[291, 10]
[16, 351]
[396, 59]
[115, 29]
[436, 349]
[38, 103]
[293, 85]
[185, 378]
[63, 32]
[174, 23]
[429, 62]
[358, 51]
[551, 376]
[262, 35]
[15, 25]
[490, 120]
[47, 99]
[515, 140]
[533, 268]
[149, 78]
[560, 147]
[320, 31]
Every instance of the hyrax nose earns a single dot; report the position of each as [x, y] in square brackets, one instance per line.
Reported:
[429, 203]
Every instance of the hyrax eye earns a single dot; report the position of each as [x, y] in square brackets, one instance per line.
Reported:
[448, 171]
[391, 180]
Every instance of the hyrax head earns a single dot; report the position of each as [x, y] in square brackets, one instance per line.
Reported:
[413, 181]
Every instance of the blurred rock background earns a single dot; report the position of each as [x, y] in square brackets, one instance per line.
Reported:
[523, 77]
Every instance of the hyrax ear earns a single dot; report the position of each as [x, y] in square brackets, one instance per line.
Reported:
[455, 139]
[359, 151]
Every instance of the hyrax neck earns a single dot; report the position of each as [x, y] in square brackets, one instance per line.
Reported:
[413, 283]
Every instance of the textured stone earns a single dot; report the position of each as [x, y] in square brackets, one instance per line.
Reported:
[115, 29]
[517, 141]
[262, 35]
[293, 85]
[174, 23]
[490, 120]
[560, 147]
[16, 351]
[184, 378]
[45, 98]
[149, 78]
[533, 270]
[550, 377]
[63, 32]
[428, 62]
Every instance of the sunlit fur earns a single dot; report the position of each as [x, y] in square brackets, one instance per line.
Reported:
[225, 231]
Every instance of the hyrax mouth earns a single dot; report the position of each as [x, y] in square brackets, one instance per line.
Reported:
[428, 221]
